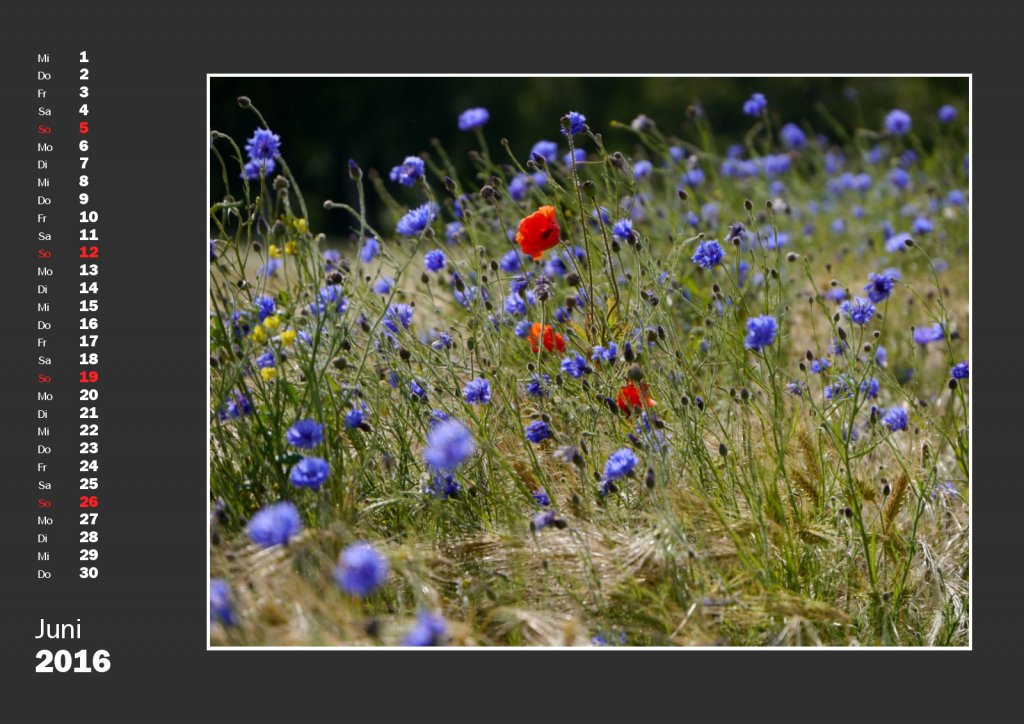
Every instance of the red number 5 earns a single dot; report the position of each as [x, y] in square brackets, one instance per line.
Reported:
[83, 127]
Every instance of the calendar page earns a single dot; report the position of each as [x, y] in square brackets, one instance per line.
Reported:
[481, 356]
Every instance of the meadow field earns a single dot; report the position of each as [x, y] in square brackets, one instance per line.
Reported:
[626, 386]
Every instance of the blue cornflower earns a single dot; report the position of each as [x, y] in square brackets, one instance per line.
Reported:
[330, 299]
[881, 356]
[452, 231]
[274, 525]
[519, 282]
[477, 392]
[576, 121]
[416, 220]
[430, 630]
[305, 434]
[398, 314]
[466, 298]
[371, 249]
[642, 169]
[923, 225]
[473, 118]
[310, 473]
[518, 187]
[556, 266]
[794, 388]
[437, 416]
[859, 311]
[332, 259]
[236, 406]
[543, 519]
[895, 419]
[947, 114]
[899, 178]
[263, 146]
[409, 172]
[434, 260]
[710, 213]
[213, 250]
[522, 329]
[267, 359]
[839, 225]
[620, 464]
[443, 341]
[761, 332]
[960, 371]
[819, 364]
[880, 286]
[417, 390]
[756, 105]
[574, 365]
[537, 386]
[514, 304]
[924, 335]
[269, 269]
[510, 262]
[837, 390]
[623, 229]
[354, 418]
[548, 150]
[448, 445]
[240, 323]
[606, 354]
[792, 136]
[542, 498]
[897, 122]
[694, 177]
[870, 387]
[708, 254]
[443, 486]
[537, 431]
[254, 169]
[578, 155]
[220, 602]
[956, 198]
[897, 242]
[265, 305]
[383, 286]
[361, 569]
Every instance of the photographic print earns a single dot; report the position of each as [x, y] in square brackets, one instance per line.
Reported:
[589, 361]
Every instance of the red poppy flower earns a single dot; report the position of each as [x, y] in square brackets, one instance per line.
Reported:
[629, 397]
[552, 339]
[538, 232]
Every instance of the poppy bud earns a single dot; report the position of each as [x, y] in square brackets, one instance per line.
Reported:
[635, 373]
[590, 189]
[244, 102]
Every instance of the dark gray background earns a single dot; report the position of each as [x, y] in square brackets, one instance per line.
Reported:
[149, 135]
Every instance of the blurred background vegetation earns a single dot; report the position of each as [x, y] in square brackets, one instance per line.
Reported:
[323, 122]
